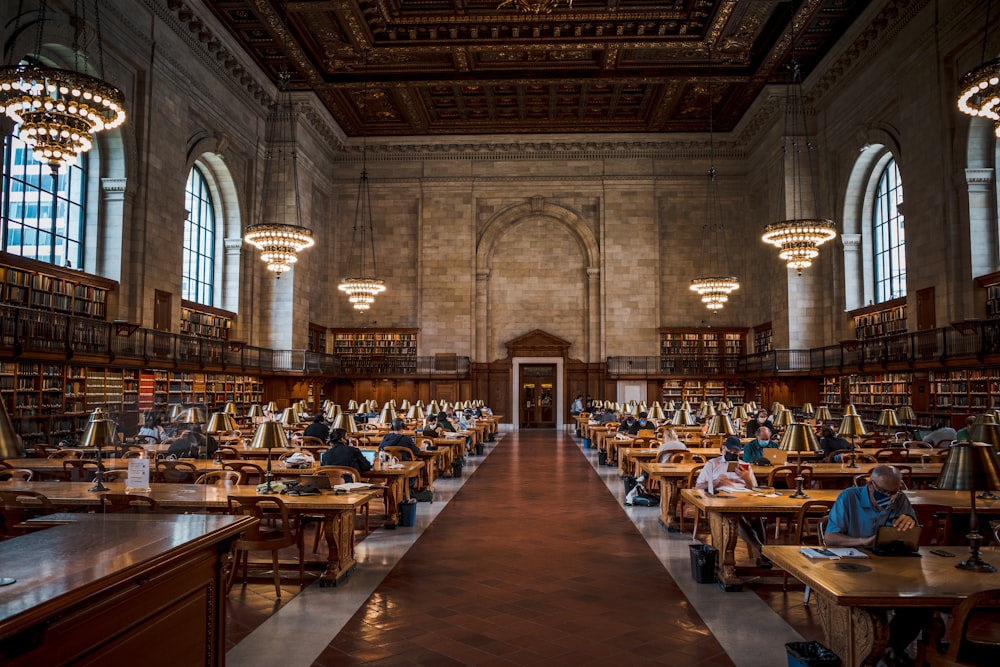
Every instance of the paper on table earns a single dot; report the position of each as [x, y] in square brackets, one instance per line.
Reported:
[733, 489]
[352, 486]
[832, 553]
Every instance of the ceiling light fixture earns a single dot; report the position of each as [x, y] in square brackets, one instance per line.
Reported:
[279, 234]
[535, 6]
[980, 88]
[58, 111]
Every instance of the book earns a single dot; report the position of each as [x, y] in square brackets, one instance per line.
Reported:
[832, 553]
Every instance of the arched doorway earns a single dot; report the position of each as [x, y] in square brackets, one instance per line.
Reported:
[538, 361]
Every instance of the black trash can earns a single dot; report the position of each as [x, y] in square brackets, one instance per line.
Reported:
[408, 513]
[810, 654]
[703, 558]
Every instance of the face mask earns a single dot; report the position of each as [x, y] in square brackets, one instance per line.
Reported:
[762, 419]
[731, 455]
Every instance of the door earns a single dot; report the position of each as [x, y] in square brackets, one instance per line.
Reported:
[538, 396]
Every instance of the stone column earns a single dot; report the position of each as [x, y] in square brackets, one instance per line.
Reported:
[482, 316]
[854, 275]
[982, 203]
[593, 315]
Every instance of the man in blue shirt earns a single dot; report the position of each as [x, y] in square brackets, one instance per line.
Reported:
[753, 451]
[854, 521]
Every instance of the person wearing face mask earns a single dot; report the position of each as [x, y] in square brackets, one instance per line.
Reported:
[754, 450]
[761, 420]
[752, 529]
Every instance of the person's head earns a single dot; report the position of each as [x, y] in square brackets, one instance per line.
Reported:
[642, 415]
[763, 433]
[398, 424]
[731, 448]
[318, 419]
[938, 425]
[442, 416]
[337, 435]
[669, 433]
[969, 421]
[827, 432]
[761, 416]
[885, 481]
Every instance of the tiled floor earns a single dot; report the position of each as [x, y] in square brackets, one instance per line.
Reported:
[530, 559]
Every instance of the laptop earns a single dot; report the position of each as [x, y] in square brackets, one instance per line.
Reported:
[894, 542]
[370, 455]
[777, 457]
[319, 481]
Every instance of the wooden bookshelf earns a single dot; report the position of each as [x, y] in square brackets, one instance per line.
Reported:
[883, 319]
[317, 338]
[964, 392]
[46, 287]
[205, 321]
[701, 351]
[376, 351]
[991, 282]
[762, 338]
[831, 393]
[872, 393]
[694, 391]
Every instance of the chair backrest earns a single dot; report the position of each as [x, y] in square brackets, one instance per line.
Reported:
[862, 479]
[256, 537]
[79, 470]
[892, 455]
[401, 453]
[311, 441]
[866, 458]
[126, 502]
[116, 475]
[807, 522]
[935, 523]
[19, 506]
[957, 636]
[67, 453]
[337, 474]
[676, 457]
[219, 477]
[250, 473]
[227, 453]
[134, 454]
[838, 452]
[176, 472]
[917, 444]
[20, 474]
[693, 475]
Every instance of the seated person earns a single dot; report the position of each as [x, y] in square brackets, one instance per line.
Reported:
[963, 433]
[630, 426]
[753, 451]
[670, 442]
[444, 423]
[396, 438]
[643, 424]
[759, 421]
[152, 431]
[185, 446]
[607, 416]
[942, 436]
[318, 429]
[341, 453]
[831, 442]
[753, 530]
[855, 518]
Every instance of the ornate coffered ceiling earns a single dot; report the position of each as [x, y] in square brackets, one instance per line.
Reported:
[440, 67]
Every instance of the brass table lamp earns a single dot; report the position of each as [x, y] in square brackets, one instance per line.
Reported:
[346, 422]
[971, 466]
[799, 438]
[853, 426]
[269, 435]
[98, 433]
[683, 418]
[721, 425]
[822, 414]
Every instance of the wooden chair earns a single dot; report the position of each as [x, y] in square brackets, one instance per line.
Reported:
[892, 455]
[16, 507]
[339, 475]
[134, 454]
[401, 453]
[227, 453]
[127, 502]
[681, 457]
[305, 441]
[906, 473]
[67, 453]
[865, 458]
[80, 470]
[115, 475]
[786, 475]
[838, 452]
[807, 529]
[20, 474]
[258, 538]
[250, 473]
[967, 646]
[862, 479]
[917, 444]
[214, 477]
[691, 479]
[935, 523]
[176, 472]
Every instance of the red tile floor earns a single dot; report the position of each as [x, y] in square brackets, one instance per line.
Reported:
[532, 562]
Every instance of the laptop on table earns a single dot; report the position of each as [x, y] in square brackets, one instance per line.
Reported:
[891, 541]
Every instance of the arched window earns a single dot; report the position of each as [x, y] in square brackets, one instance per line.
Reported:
[888, 236]
[41, 216]
[199, 241]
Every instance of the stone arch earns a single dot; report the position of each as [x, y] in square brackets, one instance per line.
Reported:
[503, 222]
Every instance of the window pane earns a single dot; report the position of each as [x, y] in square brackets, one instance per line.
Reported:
[888, 235]
[199, 240]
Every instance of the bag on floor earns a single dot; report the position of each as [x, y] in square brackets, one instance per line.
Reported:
[423, 496]
[602, 458]
[629, 482]
[480, 448]
[639, 497]
[456, 468]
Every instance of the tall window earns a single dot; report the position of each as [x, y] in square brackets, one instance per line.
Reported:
[889, 239]
[41, 216]
[199, 241]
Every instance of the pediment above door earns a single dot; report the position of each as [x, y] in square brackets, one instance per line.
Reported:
[537, 343]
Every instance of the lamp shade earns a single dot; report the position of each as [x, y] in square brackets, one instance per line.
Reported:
[272, 408]
[230, 408]
[386, 416]
[656, 411]
[970, 466]
[433, 408]
[98, 432]
[888, 418]
[709, 410]
[192, 416]
[799, 437]
[721, 425]
[269, 435]
[415, 412]
[289, 416]
[807, 409]
[670, 406]
[907, 414]
[683, 418]
[9, 447]
[850, 409]
[175, 412]
[255, 411]
[988, 431]
[332, 411]
[405, 405]
[751, 406]
[346, 422]
[852, 425]
[783, 418]
[221, 422]
[739, 412]
[822, 414]
[352, 405]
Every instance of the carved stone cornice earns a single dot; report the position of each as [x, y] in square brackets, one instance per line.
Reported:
[980, 180]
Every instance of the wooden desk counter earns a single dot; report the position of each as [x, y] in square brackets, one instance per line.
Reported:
[337, 509]
[853, 602]
[97, 591]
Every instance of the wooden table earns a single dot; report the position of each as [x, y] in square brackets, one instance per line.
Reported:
[337, 510]
[852, 603]
[397, 485]
[106, 591]
[724, 509]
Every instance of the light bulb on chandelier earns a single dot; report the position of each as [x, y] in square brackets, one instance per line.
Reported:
[980, 88]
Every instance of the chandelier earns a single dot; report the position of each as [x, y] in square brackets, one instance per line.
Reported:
[279, 235]
[980, 88]
[715, 289]
[535, 6]
[363, 287]
[58, 111]
[799, 237]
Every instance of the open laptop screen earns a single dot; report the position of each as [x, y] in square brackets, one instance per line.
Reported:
[370, 454]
